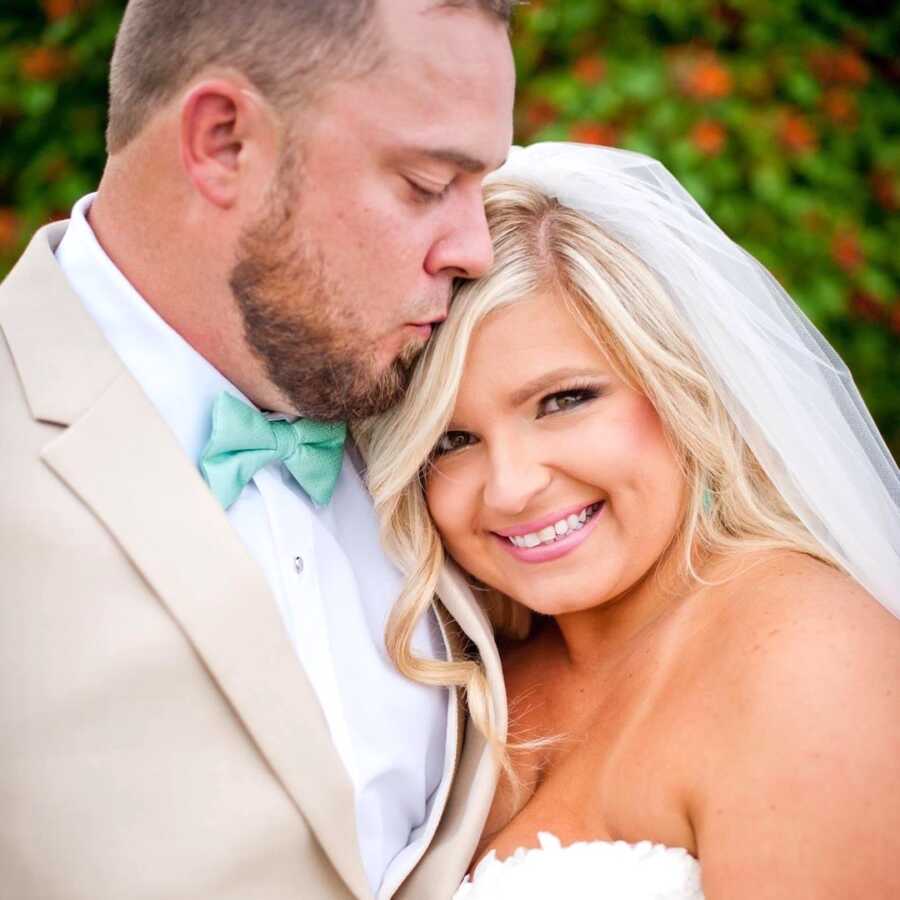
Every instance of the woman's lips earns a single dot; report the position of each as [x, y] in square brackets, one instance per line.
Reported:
[558, 548]
[544, 521]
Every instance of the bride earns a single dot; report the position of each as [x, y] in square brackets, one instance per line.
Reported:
[666, 490]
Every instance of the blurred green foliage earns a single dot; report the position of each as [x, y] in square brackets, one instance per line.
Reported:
[780, 116]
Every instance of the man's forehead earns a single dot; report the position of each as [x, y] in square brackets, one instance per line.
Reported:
[401, 23]
[448, 59]
[441, 93]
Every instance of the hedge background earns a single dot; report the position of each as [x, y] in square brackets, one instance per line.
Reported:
[780, 116]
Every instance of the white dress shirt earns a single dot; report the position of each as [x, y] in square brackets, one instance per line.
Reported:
[331, 580]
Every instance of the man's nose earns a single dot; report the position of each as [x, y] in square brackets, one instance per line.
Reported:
[465, 250]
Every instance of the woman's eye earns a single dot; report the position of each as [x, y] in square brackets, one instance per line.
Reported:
[452, 440]
[563, 400]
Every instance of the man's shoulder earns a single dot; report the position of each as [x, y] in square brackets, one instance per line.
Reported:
[13, 402]
[36, 263]
[61, 360]
[21, 311]
[22, 435]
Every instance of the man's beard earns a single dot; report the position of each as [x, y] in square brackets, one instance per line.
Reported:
[312, 349]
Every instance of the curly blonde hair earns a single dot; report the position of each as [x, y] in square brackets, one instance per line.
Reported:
[542, 246]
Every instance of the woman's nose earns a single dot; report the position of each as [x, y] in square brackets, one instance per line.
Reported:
[514, 479]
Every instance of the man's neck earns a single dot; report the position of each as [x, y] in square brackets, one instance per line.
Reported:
[181, 273]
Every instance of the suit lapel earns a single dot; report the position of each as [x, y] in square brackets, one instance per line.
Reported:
[119, 457]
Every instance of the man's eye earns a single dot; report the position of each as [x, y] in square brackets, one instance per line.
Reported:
[452, 440]
[564, 400]
[427, 195]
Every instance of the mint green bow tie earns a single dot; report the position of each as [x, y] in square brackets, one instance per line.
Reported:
[243, 440]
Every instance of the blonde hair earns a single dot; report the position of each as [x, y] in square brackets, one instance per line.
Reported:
[540, 245]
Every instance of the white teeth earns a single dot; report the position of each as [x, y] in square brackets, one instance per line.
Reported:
[552, 533]
[547, 534]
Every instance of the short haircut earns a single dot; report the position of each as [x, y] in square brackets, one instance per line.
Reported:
[285, 48]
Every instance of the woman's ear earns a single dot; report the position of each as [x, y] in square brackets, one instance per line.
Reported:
[227, 131]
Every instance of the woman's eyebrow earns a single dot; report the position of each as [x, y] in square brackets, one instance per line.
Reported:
[548, 379]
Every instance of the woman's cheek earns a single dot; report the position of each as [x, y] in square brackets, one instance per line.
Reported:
[633, 439]
[447, 501]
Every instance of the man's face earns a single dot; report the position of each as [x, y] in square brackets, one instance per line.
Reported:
[376, 211]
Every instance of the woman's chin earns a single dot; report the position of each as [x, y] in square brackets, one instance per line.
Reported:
[559, 600]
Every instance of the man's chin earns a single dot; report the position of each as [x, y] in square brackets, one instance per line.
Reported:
[380, 391]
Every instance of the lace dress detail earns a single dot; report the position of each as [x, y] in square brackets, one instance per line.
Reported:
[588, 870]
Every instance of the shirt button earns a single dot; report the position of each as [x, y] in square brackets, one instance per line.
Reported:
[298, 564]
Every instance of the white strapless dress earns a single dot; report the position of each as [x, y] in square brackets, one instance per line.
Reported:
[588, 870]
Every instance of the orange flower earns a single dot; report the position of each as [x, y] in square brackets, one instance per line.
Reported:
[709, 136]
[797, 135]
[846, 250]
[9, 228]
[589, 70]
[59, 9]
[593, 133]
[851, 68]
[895, 316]
[866, 306]
[43, 64]
[884, 189]
[840, 66]
[539, 113]
[703, 77]
[840, 106]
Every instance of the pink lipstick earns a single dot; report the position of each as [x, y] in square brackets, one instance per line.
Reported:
[562, 545]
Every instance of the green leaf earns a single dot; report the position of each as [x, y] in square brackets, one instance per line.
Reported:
[37, 97]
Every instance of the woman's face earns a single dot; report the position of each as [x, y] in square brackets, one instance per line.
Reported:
[554, 483]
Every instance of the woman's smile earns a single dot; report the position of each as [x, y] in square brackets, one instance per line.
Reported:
[553, 536]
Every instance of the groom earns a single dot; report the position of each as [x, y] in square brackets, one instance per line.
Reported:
[196, 698]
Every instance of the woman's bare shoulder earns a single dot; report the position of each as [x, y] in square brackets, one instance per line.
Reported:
[804, 716]
[766, 603]
[799, 656]
[788, 625]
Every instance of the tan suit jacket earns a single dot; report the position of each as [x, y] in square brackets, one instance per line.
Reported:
[158, 736]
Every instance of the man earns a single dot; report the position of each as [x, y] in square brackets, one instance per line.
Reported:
[196, 698]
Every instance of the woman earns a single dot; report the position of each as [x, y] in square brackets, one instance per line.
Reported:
[674, 504]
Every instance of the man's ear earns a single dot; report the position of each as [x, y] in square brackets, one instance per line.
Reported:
[226, 130]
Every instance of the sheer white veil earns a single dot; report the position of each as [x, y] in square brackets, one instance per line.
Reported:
[790, 395]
